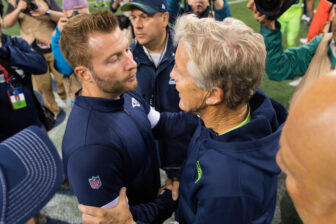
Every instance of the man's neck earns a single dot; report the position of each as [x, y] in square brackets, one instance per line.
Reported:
[158, 45]
[93, 92]
[221, 119]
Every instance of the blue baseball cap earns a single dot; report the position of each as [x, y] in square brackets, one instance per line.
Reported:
[148, 6]
[30, 174]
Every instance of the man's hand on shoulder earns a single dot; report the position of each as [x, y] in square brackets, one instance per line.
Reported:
[119, 214]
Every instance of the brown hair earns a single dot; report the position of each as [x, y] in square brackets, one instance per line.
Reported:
[75, 34]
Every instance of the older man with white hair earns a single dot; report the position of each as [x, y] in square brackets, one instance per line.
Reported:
[230, 174]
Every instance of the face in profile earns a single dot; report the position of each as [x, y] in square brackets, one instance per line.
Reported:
[299, 160]
[113, 68]
[198, 6]
[192, 98]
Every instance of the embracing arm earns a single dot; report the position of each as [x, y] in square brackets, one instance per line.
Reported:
[174, 125]
[96, 175]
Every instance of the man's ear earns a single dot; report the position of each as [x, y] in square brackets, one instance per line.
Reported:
[83, 73]
[215, 96]
[165, 17]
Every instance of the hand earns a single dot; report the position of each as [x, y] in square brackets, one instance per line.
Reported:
[22, 5]
[168, 186]
[116, 214]
[61, 22]
[261, 18]
[219, 4]
[175, 187]
[40, 11]
[116, 4]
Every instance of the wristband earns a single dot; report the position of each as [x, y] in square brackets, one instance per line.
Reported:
[47, 13]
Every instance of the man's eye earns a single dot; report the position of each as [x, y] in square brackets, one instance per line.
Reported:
[113, 59]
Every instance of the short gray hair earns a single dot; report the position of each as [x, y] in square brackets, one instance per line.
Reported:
[226, 54]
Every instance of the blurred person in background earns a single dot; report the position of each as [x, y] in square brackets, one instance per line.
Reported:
[37, 22]
[71, 82]
[290, 23]
[218, 9]
[321, 23]
[17, 62]
[310, 60]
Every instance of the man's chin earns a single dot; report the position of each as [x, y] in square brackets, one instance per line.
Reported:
[132, 87]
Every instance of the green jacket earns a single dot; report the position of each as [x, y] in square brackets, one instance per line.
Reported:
[287, 64]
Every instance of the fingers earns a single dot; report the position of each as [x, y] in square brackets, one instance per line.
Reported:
[122, 196]
[175, 190]
[169, 181]
[169, 185]
[90, 210]
[87, 219]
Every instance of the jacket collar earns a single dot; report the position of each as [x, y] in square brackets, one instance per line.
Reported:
[99, 104]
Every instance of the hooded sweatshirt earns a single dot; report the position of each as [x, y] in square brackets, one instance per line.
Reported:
[232, 178]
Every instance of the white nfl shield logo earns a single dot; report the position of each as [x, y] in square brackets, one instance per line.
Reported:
[95, 182]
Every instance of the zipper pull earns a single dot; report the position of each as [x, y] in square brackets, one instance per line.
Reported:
[126, 112]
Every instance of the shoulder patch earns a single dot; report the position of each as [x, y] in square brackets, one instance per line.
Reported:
[135, 103]
[95, 182]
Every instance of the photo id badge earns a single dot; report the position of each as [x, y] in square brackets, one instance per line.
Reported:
[17, 98]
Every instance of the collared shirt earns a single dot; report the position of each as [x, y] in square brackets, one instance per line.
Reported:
[156, 57]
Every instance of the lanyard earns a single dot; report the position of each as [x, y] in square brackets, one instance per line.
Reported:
[6, 75]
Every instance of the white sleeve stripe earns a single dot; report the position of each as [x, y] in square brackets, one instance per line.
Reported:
[113, 203]
[153, 117]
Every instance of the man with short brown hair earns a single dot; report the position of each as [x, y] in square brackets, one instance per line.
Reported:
[108, 142]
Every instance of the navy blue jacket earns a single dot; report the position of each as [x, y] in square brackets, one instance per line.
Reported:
[158, 89]
[109, 144]
[18, 54]
[232, 178]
